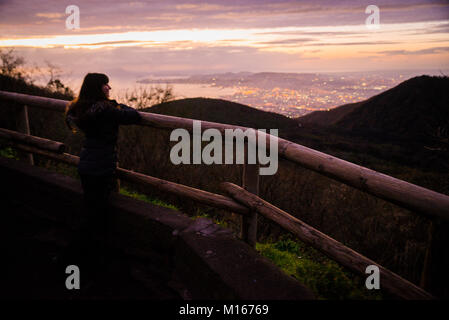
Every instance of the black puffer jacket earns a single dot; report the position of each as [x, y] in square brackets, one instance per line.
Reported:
[100, 124]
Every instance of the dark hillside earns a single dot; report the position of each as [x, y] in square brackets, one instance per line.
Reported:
[406, 125]
[218, 110]
[327, 118]
[416, 109]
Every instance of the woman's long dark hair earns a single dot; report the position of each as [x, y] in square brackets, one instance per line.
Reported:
[91, 91]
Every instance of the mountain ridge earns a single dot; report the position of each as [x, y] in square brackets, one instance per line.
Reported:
[417, 108]
[226, 112]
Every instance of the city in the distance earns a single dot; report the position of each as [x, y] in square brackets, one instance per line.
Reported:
[290, 94]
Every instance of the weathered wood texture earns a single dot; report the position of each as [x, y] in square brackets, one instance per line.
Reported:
[23, 125]
[212, 199]
[27, 139]
[205, 197]
[250, 182]
[402, 193]
[389, 281]
[35, 101]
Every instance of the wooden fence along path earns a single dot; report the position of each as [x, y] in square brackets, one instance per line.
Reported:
[245, 201]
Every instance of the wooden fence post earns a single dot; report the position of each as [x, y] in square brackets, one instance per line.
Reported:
[117, 183]
[434, 277]
[250, 182]
[23, 126]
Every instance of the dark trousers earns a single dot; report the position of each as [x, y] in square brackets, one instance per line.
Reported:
[88, 249]
[97, 190]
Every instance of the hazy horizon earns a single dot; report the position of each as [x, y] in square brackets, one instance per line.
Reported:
[135, 39]
[130, 81]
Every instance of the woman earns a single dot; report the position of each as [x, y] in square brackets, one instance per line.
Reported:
[99, 118]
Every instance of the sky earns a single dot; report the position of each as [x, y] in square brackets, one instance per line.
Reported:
[138, 39]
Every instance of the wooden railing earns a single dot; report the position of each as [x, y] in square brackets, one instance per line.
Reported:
[245, 201]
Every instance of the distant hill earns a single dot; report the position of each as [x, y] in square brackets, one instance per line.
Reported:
[218, 110]
[415, 109]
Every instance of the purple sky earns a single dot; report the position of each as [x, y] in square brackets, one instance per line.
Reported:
[130, 39]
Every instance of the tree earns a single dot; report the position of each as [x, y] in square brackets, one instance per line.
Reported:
[54, 83]
[144, 97]
[11, 64]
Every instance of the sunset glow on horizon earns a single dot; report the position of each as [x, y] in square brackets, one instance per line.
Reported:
[294, 36]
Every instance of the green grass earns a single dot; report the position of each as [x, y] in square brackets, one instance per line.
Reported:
[327, 279]
[9, 152]
[143, 197]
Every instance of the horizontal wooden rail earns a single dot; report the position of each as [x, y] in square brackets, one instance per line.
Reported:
[399, 192]
[243, 202]
[205, 197]
[389, 281]
[35, 101]
[41, 143]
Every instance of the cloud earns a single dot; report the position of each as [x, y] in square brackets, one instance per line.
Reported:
[440, 28]
[109, 43]
[50, 15]
[362, 43]
[435, 50]
[273, 34]
[171, 14]
[201, 7]
[313, 43]
[312, 33]
[155, 60]
[295, 41]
